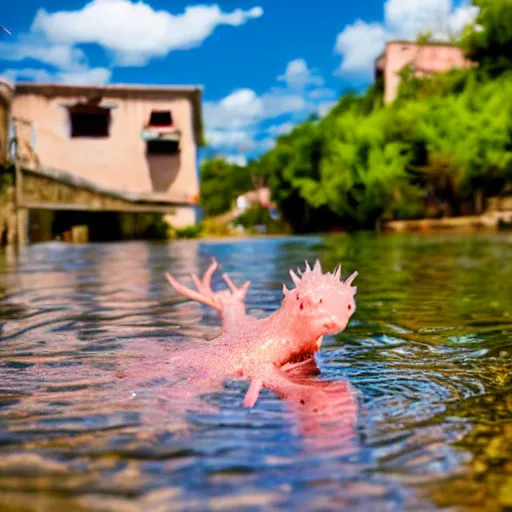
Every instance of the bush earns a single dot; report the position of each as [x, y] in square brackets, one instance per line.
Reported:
[193, 231]
[213, 227]
[257, 215]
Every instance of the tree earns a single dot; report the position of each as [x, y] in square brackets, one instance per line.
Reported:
[221, 182]
[364, 161]
[488, 41]
[467, 137]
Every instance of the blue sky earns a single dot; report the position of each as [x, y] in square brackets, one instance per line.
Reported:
[264, 64]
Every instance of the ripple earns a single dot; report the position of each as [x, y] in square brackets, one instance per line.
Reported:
[90, 421]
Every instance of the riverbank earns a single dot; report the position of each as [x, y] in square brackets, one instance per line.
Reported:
[487, 221]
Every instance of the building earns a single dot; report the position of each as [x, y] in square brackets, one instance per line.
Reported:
[424, 59]
[139, 143]
[259, 196]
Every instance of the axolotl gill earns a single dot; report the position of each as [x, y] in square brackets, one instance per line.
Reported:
[269, 351]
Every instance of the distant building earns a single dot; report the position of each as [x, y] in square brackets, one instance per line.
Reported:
[425, 60]
[259, 196]
[141, 141]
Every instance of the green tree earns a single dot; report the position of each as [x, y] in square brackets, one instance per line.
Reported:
[450, 133]
[489, 40]
[221, 182]
[468, 137]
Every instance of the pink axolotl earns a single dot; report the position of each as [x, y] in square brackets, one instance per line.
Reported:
[269, 351]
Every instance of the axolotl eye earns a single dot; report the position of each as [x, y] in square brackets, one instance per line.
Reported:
[349, 307]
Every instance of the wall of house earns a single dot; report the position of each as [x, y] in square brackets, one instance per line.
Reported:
[119, 161]
[427, 59]
[6, 92]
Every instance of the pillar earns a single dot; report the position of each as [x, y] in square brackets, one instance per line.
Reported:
[22, 226]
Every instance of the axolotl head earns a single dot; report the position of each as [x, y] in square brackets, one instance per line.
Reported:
[320, 303]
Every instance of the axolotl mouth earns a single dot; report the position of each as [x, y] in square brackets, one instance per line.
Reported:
[305, 353]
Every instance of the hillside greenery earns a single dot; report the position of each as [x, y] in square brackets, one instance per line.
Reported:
[441, 148]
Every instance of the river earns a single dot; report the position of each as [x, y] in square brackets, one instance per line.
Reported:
[422, 373]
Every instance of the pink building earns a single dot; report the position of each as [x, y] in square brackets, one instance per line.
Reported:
[259, 196]
[425, 59]
[138, 140]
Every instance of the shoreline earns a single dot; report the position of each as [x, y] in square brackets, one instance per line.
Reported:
[489, 221]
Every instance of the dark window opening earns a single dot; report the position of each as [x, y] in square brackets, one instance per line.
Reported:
[89, 121]
[160, 118]
[163, 147]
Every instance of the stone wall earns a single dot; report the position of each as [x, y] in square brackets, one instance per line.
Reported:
[40, 190]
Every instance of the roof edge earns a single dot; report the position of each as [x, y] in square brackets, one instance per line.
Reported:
[193, 92]
[120, 87]
[429, 43]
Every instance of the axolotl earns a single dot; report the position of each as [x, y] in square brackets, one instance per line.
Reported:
[268, 352]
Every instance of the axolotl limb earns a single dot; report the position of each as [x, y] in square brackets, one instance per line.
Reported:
[268, 351]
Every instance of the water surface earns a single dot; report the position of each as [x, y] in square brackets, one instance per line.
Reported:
[422, 372]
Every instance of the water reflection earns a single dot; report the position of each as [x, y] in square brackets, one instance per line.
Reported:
[411, 408]
[325, 419]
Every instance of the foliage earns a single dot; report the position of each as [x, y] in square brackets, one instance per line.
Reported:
[214, 228]
[221, 182]
[6, 178]
[446, 139]
[470, 133]
[489, 40]
[257, 215]
[153, 226]
[193, 231]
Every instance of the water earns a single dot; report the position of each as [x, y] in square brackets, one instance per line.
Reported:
[423, 372]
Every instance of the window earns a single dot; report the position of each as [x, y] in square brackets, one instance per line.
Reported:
[163, 147]
[160, 118]
[89, 121]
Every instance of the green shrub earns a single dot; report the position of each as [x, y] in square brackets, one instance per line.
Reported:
[193, 231]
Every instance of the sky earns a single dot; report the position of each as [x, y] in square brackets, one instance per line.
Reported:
[264, 65]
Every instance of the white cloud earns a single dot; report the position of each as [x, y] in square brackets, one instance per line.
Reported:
[135, 32]
[243, 108]
[58, 55]
[279, 102]
[90, 76]
[132, 33]
[229, 137]
[360, 43]
[240, 160]
[321, 93]
[27, 74]
[248, 123]
[280, 129]
[462, 17]
[298, 75]
[266, 143]
[85, 76]
[408, 17]
[325, 107]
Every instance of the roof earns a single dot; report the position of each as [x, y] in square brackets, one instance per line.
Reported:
[429, 43]
[193, 92]
[445, 44]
